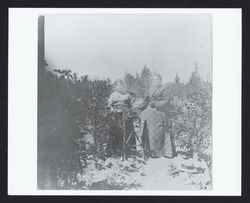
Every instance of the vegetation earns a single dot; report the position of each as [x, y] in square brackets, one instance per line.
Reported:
[70, 106]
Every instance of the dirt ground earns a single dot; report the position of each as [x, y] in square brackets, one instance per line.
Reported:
[154, 174]
[175, 174]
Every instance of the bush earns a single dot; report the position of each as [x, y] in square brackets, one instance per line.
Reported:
[67, 104]
[189, 115]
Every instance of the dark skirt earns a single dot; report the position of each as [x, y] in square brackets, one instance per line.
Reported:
[117, 129]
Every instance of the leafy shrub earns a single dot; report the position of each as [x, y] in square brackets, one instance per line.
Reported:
[68, 104]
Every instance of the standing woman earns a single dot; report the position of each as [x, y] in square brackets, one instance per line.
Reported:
[160, 141]
[119, 103]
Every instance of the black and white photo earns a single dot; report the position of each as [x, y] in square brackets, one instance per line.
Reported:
[125, 102]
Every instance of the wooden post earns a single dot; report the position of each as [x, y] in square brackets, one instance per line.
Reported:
[40, 42]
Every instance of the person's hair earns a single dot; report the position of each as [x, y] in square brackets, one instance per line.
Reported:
[119, 81]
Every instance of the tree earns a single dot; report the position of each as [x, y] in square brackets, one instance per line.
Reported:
[177, 79]
[145, 80]
[131, 83]
[140, 83]
[195, 79]
[190, 117]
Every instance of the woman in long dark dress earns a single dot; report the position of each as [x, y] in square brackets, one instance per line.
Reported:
[160, 141]
[119, 103]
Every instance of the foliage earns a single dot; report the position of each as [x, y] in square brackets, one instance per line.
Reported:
[139, 84]
[109, 174]
[189, 114]
[69, 104]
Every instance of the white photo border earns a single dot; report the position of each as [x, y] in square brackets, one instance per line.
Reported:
[22, 101]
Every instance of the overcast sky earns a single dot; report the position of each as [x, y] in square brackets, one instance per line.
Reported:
[108, 45]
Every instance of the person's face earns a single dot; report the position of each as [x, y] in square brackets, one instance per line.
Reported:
[120, 87]
[156, 82]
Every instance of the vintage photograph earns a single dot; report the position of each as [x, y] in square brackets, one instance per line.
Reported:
[124, 102]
